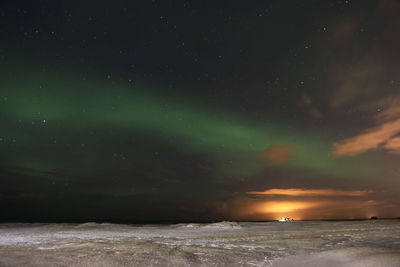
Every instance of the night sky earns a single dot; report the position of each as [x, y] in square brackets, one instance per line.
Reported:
[168, 111]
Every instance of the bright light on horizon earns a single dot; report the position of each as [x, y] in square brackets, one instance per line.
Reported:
[310, 192]
[285, 206]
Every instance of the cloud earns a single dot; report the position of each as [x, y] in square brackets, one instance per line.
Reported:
[343, 32]
[393, 145]
[389, 7]
[384, 136]
[306, 102]
[371, 139]
[353, 66]
[277, 154]
[389, 108]
[310, 192]
[389, 113]
[356, 79]
[357, 70]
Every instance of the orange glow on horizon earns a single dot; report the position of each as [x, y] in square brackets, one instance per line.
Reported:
[306, 209]
[310, 192]
[283, 207]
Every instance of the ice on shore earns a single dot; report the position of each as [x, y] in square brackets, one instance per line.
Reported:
[223, 225]
[196, 244]
[220, 225]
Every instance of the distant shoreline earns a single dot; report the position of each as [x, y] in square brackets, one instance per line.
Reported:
[10, 221]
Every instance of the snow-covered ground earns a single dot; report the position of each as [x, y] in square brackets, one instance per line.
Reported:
[340, 243]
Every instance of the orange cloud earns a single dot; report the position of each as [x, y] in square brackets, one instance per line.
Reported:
[310, 192]
[389, 113]
[393, 145]
[277, 154]
[371, 139]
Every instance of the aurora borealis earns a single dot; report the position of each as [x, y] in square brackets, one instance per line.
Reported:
[179, 111]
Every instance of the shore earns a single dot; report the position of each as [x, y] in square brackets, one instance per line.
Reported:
[309, 243]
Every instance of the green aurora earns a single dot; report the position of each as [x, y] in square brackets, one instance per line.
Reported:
[41, 108]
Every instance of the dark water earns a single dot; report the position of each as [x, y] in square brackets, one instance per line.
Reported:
[300, 243]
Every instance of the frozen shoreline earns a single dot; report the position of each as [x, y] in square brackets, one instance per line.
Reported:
[312, 243]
